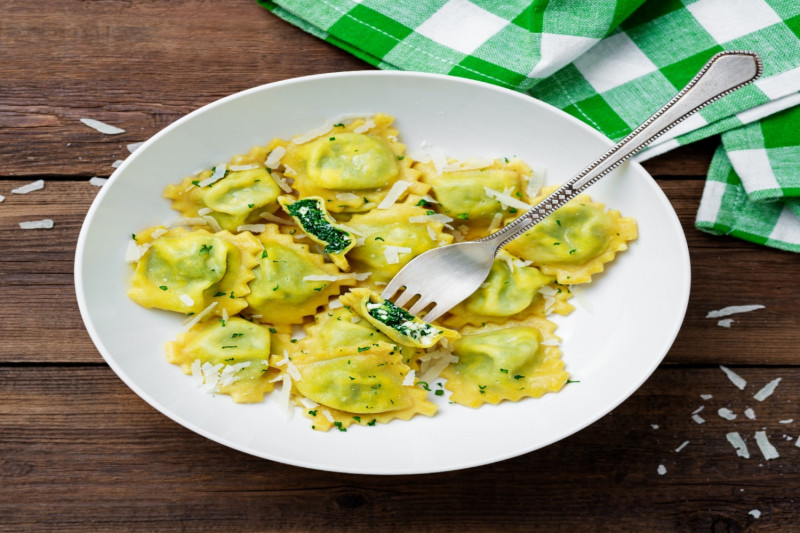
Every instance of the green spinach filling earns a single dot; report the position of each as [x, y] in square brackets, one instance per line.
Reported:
[313, 221]
[400, 320]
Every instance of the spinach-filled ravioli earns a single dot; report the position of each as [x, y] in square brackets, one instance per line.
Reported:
[362, 386]
[290, 282]
[227, 357]
[576, 241]
[232, 198]
[462, 193]
[509, 290]
[393, 237]
[312, 217]
[341, 330]
[507, 362]
[352, 166]
[395, 322]
[186, 271]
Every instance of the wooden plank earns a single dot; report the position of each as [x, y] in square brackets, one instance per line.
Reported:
[78, 450]
[36, 268]
[141, 66]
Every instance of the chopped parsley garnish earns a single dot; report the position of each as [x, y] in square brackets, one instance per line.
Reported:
[339, 426]
[424, 385]
[572, 251]
[233, 336]
[276, 287]
[220, 293]
[430, 212]
[357, 419]
[558, 222]
[363, 349]
[519, 376]
[512, 210]
[250, 205]
[439, 392]
[293, 341]
[504, 370]
[339, 125]
[313, 413]
[163, 287]
[379, 239]
[205, 249]
[221, 321]
[332, 139]
[423, 203]
[133, 236]
[273, 330]
[264, 254]
[373, 422]
[482, 389]
[463, 216]
[312, 219]
[400, 157]
[234, 346]
[573, 381]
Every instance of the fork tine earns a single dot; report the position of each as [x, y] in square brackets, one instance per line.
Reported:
[421, 304]
[404, 297]
[437, 311]
[392, 287]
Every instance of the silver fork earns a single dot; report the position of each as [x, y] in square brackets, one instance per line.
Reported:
[445, 276]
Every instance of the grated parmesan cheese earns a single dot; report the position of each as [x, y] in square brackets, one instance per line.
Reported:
[196, 221]
[289, 171]
[37, 224]
[252, 228]
[197, 373]
[738, 444]
[408, 381]
[275, 156]
[211, 221]
[418, 155]
[30, 187]
[327, 414]
[281, 183]
[200, 316]
[439, 161]
[394, 194]
[431, 233]
[313, 133]
[279, 220]
[335, 304]
[392, 253]
[132, 147]
[534, 182]
[186, 299]
[733, 309]
[359, 276]
[473, 163]
[735, 378]
[767, 390]
[308, 403]
[283, 398]
[218, 174]
[550, 342]
[437, 217]
[102, 127]
[239, 168]
[495, 223]
[205, 211]
[347, 196]
[96, 181]
[505, 198]
[134, 252]
[767, 449]
[365, 127]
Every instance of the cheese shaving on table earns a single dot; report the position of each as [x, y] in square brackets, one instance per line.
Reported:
[313, 133]
[102, 127]
[767, 390]
[30, 187]
[365, 127]
[732, 310]
[218, 174]
[117, 163]
[725, 322]
[505, 198]
[787, 421]
[97, 182]
[661, 470]
[37, 224]
[393, 195]
[706, 396]
[767, 449]
[749, 413]
[755, 513]
[200, 316]
[392, 253]
[275, 156]
[735, 378]
[252, 228]
[2, 198]
[238, 168]
[698, 419]
[682, 446]
[738, 444]
[726, 413]
[132, 147]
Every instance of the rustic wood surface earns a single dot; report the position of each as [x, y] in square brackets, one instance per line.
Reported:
[79, 451]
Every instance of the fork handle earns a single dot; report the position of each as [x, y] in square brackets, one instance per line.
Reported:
[723, 74]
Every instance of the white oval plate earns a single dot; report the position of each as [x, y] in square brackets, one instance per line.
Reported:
[625, 323]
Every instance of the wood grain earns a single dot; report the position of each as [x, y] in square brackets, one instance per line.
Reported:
[120, 464]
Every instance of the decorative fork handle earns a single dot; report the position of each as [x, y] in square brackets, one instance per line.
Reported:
[723, 74]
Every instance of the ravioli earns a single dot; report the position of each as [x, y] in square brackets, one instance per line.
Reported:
[576, 241]
[395, 322]
[507, 363]
[393, 237]
[314, 220]
[510, 289]
[235, 200]
[290, 282]
[186, 271]
[226, 357]
[350, 166]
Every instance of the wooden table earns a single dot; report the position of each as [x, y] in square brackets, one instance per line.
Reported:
[79, 451]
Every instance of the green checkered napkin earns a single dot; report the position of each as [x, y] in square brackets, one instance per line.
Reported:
[610, 63]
